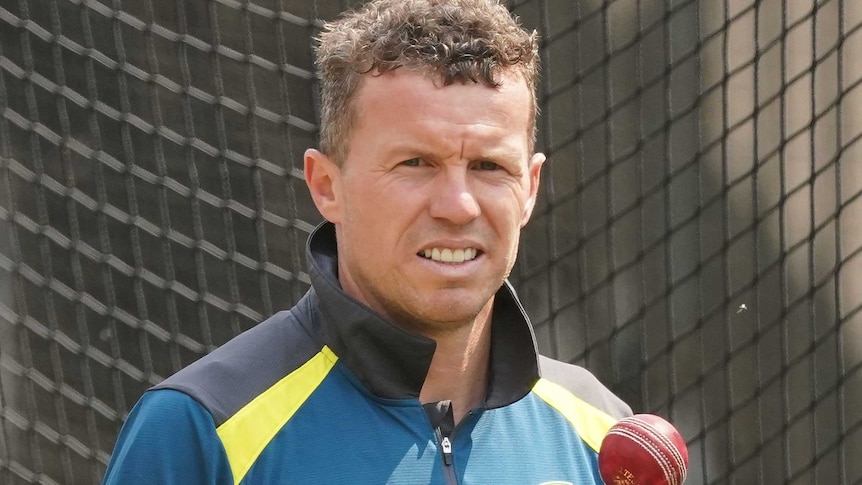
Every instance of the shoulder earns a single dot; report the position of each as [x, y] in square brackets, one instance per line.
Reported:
[583, 385]
[577, 395]
[168, 438]
[234, 374]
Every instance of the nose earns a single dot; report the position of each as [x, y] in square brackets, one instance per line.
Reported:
[453, 199]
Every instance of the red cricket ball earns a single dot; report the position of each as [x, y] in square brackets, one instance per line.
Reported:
[643, 449]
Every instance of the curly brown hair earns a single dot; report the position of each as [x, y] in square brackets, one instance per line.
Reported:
[455, 40]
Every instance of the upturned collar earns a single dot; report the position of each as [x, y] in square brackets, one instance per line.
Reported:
[392, 362]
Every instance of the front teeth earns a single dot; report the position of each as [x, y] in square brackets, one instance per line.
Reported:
[447, 255]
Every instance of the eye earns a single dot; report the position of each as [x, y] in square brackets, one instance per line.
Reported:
[486, 165]
[413, 162]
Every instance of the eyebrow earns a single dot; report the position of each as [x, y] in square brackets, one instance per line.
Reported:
[498, 149]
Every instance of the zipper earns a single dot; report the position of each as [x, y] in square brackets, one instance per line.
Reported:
[443, 423]
[446, 452]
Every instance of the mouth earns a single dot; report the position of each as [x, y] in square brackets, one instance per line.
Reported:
[450, 255]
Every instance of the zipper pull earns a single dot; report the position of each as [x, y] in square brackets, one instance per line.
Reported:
[447, 450]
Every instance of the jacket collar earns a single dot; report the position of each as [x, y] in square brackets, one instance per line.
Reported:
[393, 362]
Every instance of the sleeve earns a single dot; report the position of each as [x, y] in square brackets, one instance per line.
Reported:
[168, 438]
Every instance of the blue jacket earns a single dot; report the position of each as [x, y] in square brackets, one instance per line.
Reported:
[327, 393]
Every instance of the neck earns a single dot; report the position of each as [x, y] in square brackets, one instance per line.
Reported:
[460, 366]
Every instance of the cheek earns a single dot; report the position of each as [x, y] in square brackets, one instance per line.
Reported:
[512, 204]
[372, 211]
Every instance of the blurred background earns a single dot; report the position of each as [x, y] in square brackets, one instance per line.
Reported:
[698, 242]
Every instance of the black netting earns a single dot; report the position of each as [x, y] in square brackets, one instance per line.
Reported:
[697, 245]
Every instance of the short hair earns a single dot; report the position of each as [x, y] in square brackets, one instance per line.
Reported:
[453, 40]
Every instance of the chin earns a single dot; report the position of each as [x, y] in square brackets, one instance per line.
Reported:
[450, 315]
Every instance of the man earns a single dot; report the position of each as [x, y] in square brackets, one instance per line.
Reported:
[411, 359]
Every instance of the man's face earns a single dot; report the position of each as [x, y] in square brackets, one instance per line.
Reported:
[431, 198]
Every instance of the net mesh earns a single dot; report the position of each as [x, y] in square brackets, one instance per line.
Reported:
[697, 243]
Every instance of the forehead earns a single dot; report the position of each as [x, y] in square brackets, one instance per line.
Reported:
[405, 100]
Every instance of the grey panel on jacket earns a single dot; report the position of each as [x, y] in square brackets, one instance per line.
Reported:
[583, 384]
[231, 376]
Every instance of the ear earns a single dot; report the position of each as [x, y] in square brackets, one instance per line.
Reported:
[323, 178]
[535, 170]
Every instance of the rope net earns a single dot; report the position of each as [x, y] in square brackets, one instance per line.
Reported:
[697, 243]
